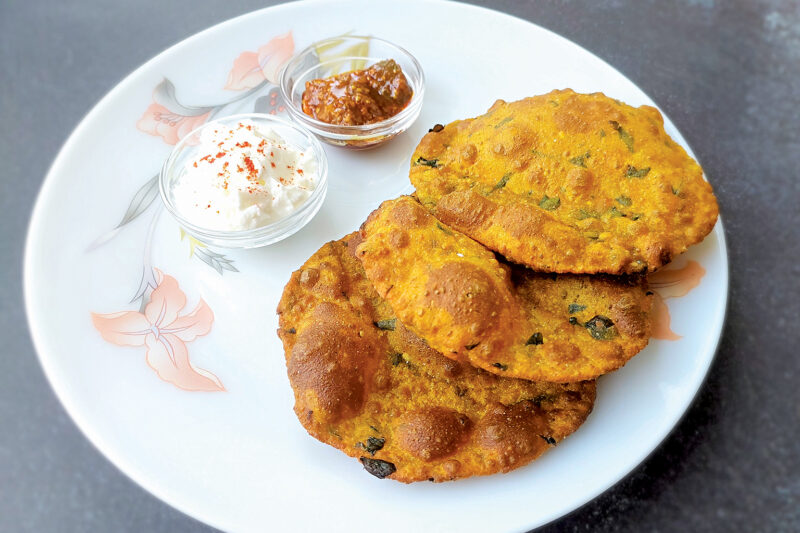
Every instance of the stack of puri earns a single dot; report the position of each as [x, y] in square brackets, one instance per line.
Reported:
[460, 331]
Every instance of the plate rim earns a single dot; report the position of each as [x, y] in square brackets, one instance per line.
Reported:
[37, 333]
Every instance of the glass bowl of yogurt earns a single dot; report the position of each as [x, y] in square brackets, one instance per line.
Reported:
[245, 181]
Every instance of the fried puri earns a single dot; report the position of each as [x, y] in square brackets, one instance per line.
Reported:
[366, 385]
[453, 292]
[568, 183]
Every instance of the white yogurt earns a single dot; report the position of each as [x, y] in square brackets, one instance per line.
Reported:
[243, 176]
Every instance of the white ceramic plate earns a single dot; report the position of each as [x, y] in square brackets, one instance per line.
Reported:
[238, 459]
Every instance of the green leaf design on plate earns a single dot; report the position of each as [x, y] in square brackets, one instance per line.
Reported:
[336, 56]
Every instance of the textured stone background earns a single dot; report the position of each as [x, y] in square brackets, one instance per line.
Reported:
[728, 74]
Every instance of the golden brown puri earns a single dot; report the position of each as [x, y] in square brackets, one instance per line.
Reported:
[365, 384]
[509, 320]
[567, 182]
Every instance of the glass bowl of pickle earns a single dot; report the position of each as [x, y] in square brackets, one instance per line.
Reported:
[353, 91]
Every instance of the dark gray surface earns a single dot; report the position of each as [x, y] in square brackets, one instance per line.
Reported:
[726, 72]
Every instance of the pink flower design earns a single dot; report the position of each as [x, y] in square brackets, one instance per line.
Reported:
[252, 68]
[157, 120]
[165, 333]
[671, 283]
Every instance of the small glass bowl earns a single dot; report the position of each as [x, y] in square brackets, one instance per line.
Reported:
[320, 60]
[294, 136]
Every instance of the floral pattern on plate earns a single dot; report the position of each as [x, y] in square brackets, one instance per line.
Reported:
[165, 332]
[255, 76]
[671, 283]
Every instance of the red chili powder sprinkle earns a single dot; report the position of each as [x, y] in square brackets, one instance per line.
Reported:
[300, 171]
[251, 168]
[273, 164]
[222, 154]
